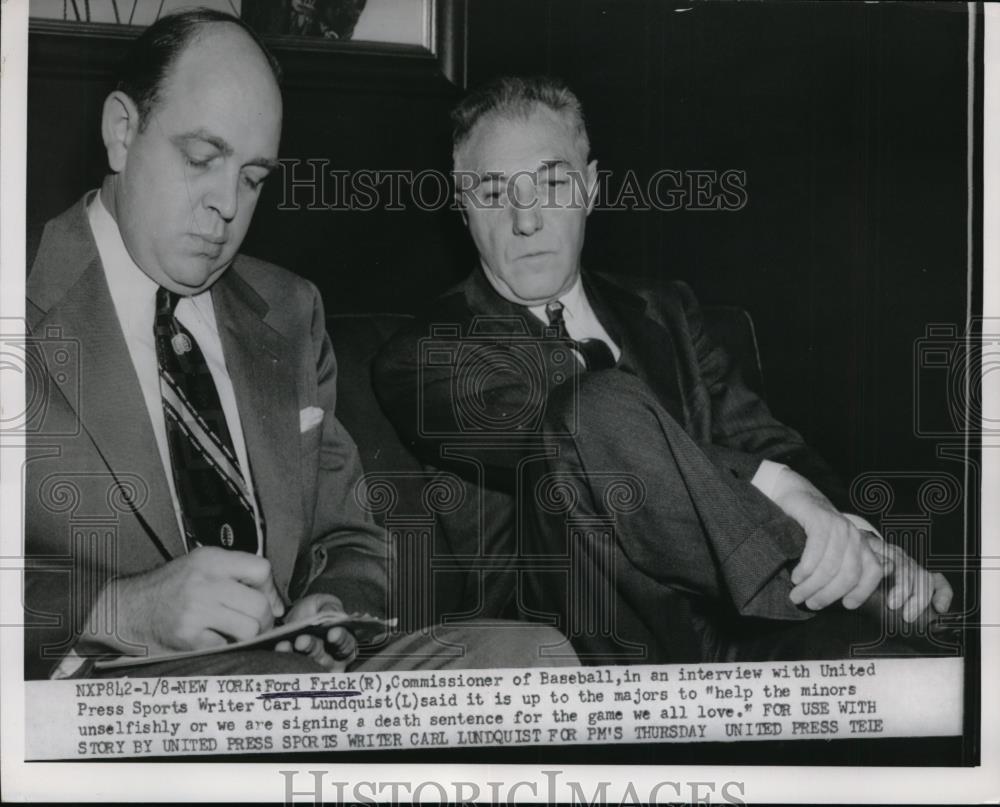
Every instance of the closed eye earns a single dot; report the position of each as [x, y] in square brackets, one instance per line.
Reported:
[254, 183]
[199, 158]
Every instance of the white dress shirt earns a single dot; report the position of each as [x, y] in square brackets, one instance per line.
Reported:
[134, 295]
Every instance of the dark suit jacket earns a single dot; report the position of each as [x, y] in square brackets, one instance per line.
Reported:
[434, 401]
[97, 502]
[473, 375]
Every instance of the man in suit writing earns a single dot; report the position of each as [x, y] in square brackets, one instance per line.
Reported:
[205, 413]
[734, 537]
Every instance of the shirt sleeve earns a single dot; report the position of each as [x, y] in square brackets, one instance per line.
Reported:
[769, 480]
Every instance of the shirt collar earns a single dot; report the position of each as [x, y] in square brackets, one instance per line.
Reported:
[574, 303]
[132, 290]
[573, 300]
[125, 279]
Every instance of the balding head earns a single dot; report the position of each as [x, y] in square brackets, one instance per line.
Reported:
[146, 68]
[187, 171]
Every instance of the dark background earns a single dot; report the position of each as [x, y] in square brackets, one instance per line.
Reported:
[849, 120]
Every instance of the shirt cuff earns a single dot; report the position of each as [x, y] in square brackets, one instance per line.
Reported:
[68, 666]
[767, 479]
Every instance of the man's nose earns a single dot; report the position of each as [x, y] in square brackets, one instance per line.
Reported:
[223, 197]
[527, 216]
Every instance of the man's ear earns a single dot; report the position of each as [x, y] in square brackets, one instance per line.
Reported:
[119, 125]
[460, 204]
[463, 181]
[591, 177]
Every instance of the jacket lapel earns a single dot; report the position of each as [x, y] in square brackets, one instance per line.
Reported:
[263, 373]
[645, 341]
[497, 316]
[71, 300]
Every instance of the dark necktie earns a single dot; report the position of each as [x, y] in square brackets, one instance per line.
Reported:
[595, 352]
[215, 503]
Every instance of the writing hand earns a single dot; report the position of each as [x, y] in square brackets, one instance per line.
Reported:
[339, 648]
[201, 600]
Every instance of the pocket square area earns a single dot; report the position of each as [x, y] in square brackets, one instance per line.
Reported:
[310, 418]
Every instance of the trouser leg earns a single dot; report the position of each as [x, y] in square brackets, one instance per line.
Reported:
[665, 556]
[240, 662]
[871, 631]
[483, 644]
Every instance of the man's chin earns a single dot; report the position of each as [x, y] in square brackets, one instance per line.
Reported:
[529, 288]
[190, 279]
[537, 294]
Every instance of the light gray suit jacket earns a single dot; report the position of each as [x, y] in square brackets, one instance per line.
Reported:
[97, 503]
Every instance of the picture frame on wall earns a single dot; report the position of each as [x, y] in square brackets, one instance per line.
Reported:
[404, 22]
[384, 37]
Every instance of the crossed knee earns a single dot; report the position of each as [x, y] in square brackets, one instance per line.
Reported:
[598, 401]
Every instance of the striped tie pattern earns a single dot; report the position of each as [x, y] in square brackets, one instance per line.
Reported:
[215, 500]
[595, 353]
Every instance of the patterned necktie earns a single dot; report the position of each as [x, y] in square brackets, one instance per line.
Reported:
[595, 352]
[215, 502]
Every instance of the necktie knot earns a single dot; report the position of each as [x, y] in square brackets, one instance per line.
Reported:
[554, 311]
[166, 302]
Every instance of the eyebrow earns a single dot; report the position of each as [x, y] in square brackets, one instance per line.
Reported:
[500, 176]
[217, 142]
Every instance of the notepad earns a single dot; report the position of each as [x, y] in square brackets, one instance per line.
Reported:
[364, 627]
